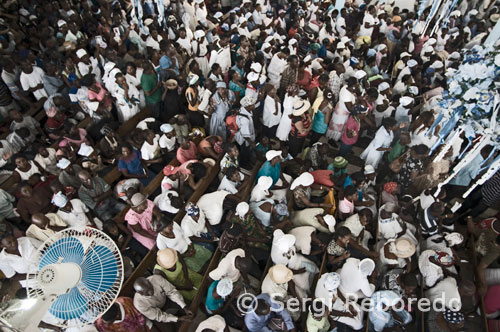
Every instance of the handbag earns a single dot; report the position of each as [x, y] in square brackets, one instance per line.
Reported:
[397, 163]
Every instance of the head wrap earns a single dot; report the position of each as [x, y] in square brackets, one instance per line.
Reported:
[265, 182]
[271, 154]
[252, 77]
[192, 209]
[169, 170]
[383, 86]
[443, 258]
[60, 200]
[166, 128]
[390, 187]
[405, 101]
[331, 222]
[192, 79]
[256, 67]
[369, 169]
[248, 101]
[224, 287]
[221, 85]
[305, 179]
[453, 317]
[81, 53]
[242, 209]
[366, 266]
[331, 281]
[281, 209]
[454, 238]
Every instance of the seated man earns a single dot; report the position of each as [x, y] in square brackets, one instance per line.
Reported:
[16, 256]
[151, 297]
[233, 181]
[98, 196]
[259, 320]
[386, 313]
[44, 226]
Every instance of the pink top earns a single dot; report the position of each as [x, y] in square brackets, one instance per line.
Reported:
[99, 96]
[145, 220]
[185, 155]
[83, 138]
[352, 126]
[346, 206]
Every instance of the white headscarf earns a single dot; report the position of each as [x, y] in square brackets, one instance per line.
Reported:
[242, 209]
[261, 189]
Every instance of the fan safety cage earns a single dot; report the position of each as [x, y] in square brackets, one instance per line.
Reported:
[102, 275]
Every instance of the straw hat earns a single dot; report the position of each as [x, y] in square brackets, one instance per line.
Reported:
[166, 258]
[171, 84]
[300, 107]
[280, 274]
[137, 199]
[404, 248]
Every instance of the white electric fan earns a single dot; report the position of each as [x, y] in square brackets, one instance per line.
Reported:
[74, 278]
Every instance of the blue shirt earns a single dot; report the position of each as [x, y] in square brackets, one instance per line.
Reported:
[268, 170]
[256, 323]
[211, 302]
[468, 173]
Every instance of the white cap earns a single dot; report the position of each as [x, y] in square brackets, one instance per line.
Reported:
[412, 63]
[437, 64]
[256, 67]
[218, 15]
[340, 45]
[402, 55]
[473, 12]
[252, 77]
[383, 86]
[81, 53]
[369, 169]
[405, 101]
[166, 128]
[360, 74]
[271, 154]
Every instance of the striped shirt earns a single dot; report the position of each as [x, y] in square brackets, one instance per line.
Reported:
[491, 190]
[428, 223]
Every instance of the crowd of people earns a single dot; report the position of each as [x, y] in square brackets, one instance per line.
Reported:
[309, 127]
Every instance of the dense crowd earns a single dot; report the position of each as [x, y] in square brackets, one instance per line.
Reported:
[306, 128]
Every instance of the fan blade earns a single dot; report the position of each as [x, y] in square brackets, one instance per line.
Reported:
[70, 249]
[69, 306]
[99, 269]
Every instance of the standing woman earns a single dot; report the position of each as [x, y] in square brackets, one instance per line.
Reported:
[192, 96]
[351, 131]
[322, 117]
[285, 124]
[301, 126]
[347, 98]
[380, 143]
[272, 112]
[220, 103]
[131, 165]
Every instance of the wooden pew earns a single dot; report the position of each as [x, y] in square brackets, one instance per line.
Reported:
[214, 262]
[476, 273]
[147, 264]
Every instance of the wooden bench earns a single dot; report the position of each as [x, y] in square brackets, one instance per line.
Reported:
[214, 262]
[146, 265]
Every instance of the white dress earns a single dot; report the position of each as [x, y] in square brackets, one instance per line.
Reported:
[275, 69]
[340, 114]
[269, 118]
[382, 139]
[211, 205]
[285, 125]
[180, 242]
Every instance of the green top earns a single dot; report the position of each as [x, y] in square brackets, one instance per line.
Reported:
[314, 325]
[177, 279]
[148, 83]
[397, 150]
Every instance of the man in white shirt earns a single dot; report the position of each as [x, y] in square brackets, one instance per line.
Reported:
[32, 80]
[340, 24]
[16, 255]
[366, 28]
[73, 212]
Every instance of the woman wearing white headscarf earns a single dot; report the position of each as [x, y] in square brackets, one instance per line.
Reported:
[283, 251]
[261, 190]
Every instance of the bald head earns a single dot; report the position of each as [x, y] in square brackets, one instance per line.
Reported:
[144, 287]
[40, 220]
[85, 178]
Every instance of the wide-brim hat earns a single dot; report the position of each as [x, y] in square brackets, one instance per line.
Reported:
[300, 107]
[166, 258]
[404, 248]
[280, 274]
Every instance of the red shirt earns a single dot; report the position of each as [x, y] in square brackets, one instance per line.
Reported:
[322, 177]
